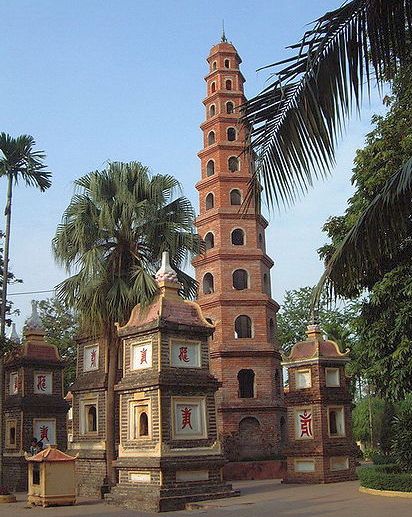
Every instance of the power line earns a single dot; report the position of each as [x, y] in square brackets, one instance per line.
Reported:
[32, 292]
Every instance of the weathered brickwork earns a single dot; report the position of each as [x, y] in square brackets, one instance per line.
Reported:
[320, 447]
[223, 302]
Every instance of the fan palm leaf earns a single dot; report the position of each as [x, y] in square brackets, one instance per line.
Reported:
[112, 236]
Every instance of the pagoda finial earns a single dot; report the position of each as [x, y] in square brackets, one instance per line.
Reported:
[166, 272]
[224, 39]
[34, 324]
[13, 336]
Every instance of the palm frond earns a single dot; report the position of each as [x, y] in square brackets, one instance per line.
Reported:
[20, 162]
[297, 119]
[382, 233]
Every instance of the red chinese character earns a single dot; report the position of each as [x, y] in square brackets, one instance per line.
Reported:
[44, 431]
[41, 383]
[186, 417]
[305, 424]
[143, 356]
[183, 354]
[93, 359]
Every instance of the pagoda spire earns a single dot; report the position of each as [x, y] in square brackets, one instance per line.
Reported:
[224, 39]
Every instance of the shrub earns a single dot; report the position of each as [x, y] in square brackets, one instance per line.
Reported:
[385, 477]
[379, 458]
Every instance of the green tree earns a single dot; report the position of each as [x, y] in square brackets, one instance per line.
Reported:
[385, 335]
[296, 121]
[368, 420]
[402, 435]
[111, 237]
[18, 162]
[337, 321]
[61, 328]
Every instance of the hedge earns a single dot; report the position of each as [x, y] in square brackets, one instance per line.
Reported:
[385, 477]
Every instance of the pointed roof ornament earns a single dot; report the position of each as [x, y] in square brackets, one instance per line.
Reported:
[33, 324]
[13, 336]
[224, 39]
[166, 273]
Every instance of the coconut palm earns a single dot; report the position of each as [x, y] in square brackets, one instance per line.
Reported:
[298, 118]
[111, 238]
[18, 162]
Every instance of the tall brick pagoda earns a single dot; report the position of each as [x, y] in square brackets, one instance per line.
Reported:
[234, 274]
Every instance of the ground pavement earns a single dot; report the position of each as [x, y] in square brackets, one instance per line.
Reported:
[258, 499]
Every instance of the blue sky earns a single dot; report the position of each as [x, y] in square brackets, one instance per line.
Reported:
[98, 80]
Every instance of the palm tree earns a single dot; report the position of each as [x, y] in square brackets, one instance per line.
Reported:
[18, 161]
[298, 118]
[112, 236]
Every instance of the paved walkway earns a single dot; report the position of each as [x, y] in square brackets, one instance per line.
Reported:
[258, 499]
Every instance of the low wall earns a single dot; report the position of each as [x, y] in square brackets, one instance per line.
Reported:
[254, 470]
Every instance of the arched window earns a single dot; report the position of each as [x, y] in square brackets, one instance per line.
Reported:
[208, 284]
[229, 107]
[227, 63]
[228, 84]
[209, 241]
[143, 424]
[260, 241]
[333, 424]
[278, 382]
[92, 419]
[213, 87]
[214, 65]
[235, 197]
[231, 134]
[12, 435]
[238, 237]
[212, 110]
[243, 327]
[266, 287]
[210, 201]
[209, 320]
[271, 330]
[210, 168]
[211, 138]
[282, 430]
[240, 279]
[246, 380]
[233, 164]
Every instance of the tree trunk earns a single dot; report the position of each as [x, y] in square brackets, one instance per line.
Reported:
[112, 344]
[7, 213]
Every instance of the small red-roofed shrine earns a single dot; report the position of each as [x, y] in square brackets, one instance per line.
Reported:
[52, 478]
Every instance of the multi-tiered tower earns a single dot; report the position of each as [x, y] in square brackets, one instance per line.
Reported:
[234, 273]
